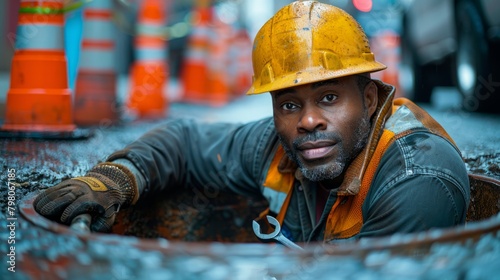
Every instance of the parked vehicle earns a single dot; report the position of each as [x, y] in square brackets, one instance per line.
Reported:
[452, 43]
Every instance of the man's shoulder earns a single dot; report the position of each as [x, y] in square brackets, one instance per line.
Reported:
[263, 129]
[422, 150]
[421, 153]
[423, 146]
[417, 167]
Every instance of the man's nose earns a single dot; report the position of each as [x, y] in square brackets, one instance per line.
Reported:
[311, 119]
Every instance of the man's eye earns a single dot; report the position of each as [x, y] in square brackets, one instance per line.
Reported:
[288, 106]
[329, 98]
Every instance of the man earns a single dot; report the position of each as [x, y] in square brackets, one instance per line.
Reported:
[338, 160]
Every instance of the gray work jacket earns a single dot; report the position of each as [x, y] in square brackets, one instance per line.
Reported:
[421, 181]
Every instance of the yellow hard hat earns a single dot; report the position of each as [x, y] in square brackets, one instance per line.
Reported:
[306, 42]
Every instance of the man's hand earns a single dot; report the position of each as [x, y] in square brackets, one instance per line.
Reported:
[101, 193]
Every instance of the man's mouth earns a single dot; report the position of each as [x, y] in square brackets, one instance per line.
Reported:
[315, 150]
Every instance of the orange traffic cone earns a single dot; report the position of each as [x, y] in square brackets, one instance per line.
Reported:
[39, 99]
[386, 46]
[148, 75]
[240, 62]
[218, 91]
[195, 68]
[95, 88]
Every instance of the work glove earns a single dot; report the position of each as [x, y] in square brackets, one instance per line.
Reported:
[105, 189]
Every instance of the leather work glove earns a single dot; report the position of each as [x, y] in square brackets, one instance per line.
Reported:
[101, 193]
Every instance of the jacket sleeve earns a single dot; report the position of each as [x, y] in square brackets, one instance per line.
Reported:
[214, 156]
[421, 184]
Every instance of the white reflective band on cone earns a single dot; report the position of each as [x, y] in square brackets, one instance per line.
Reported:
[98, 30]
[150, 30]
[196, 54]
[97, 60]
[100, 4]
[39, 37]
[143, 54]
[201, 32]
[41, 1]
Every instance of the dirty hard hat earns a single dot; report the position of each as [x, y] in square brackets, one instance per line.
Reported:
[306, 42]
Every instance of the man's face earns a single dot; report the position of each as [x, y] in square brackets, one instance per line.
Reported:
[322, 126]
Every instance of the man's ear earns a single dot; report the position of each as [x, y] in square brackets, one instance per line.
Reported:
[371, 97]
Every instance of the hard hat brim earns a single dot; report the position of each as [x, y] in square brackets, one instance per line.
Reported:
[313, 75]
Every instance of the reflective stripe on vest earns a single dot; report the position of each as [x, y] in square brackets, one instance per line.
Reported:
[346, 218]
[277, 185]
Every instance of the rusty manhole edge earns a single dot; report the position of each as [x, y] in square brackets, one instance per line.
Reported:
[394, 243]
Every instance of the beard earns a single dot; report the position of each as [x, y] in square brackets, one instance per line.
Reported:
[336, 167]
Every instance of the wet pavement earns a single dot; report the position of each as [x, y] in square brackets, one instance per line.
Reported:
[49, 251]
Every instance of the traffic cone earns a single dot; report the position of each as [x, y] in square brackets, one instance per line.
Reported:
[386, 46]
[195, 67]
[218, 91]
[148, 75]
[95, 88]
[39, 99]
[240, 67]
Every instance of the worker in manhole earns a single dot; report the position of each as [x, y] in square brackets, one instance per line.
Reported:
[339, 159]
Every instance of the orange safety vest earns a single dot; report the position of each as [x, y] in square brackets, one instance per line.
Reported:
[345, 218]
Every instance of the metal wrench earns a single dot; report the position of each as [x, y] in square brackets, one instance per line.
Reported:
[276, 234]
[81, 223]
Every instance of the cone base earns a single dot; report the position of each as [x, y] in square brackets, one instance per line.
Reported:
[39, 110]
[202, 87]
[206, 102]
[17, 132]
[39, 70]
[147, 115]
[38, 128]
[95, 98]
[194, 82]
[147, 99]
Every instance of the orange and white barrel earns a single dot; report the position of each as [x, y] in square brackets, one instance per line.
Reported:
[39, 98]
[149, 73]
[95, 99]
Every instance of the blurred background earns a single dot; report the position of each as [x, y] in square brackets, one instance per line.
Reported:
[436, 51]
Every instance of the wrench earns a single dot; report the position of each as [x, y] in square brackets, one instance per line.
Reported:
[81, 223]
[276, 234]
